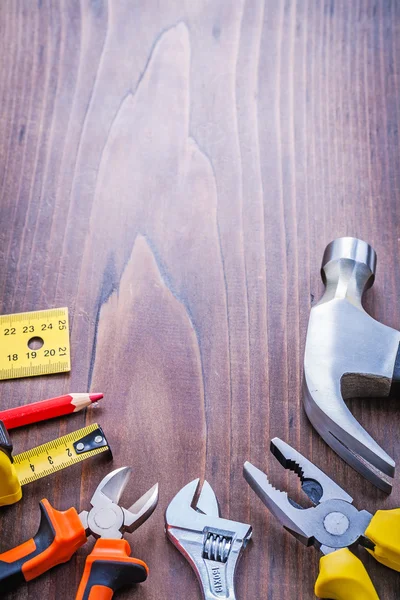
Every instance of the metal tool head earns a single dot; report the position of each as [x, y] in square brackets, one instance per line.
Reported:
[349, 355]
[332, 523]
[107, 518]
[211, 544]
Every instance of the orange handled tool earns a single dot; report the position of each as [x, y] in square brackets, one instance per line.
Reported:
[59, 536]
[109, 566]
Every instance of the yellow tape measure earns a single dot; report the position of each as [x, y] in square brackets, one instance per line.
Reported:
[60, 453]
[34, 343]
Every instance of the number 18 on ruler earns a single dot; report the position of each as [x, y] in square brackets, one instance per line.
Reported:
[34, 343]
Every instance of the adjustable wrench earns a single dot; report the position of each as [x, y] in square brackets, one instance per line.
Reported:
[212, 545]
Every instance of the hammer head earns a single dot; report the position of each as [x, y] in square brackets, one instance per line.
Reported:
[349, 355]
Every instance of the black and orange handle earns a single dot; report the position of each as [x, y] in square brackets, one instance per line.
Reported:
[109, 567]
[59, 536]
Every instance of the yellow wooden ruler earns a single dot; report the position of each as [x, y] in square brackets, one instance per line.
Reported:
[60, 453]
[34, 343]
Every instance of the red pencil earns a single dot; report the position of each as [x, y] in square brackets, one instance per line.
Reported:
[46, 409]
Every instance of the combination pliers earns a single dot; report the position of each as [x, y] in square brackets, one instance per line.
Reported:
[333, 525]
[109, 566]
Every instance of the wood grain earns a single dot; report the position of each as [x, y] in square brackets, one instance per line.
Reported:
[172, 172]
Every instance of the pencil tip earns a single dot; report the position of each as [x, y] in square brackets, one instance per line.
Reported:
[95, 397]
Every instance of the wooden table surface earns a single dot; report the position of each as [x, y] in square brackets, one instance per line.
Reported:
[172, 171]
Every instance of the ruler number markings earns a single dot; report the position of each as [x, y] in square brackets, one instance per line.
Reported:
[34, 343]
[61, 324]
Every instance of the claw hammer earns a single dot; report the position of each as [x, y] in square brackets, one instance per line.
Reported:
[349, 354]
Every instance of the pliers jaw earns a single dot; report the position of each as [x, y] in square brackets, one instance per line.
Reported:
[314, 482]
[107, 519]
[333, 522]
[211, 544]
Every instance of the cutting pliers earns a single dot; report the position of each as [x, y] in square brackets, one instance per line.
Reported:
[109, 566]
[332, 525]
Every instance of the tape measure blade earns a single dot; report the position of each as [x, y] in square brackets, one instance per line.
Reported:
[60, 453]
[20, 337]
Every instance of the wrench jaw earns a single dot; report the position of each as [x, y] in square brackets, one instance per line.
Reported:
[210, 544]
[207, 502]
[180, 512]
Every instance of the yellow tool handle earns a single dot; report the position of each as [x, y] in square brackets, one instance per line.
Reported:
[10, 487]
[384, 532]
[342, 576]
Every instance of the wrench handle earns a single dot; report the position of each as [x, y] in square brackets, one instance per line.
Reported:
[108, 568]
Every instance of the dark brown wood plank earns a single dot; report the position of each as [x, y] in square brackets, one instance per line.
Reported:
[172, 172]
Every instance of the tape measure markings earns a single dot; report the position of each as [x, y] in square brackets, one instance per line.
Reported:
[74, 436]
[78, 458]
[35, 463]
